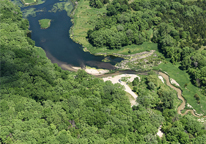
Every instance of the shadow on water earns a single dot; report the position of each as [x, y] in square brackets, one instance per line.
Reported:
[56, 42]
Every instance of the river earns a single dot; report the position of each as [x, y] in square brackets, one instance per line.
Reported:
[55, 40]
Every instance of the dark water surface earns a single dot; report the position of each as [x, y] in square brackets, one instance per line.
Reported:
[56, 42]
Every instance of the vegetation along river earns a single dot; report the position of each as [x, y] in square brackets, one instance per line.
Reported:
[55, 40]
[61, 49]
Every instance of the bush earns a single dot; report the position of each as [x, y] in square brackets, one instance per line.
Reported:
[151, 86]
[135, 81]
[197, 97]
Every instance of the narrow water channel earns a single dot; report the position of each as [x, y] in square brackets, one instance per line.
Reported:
[56, 42]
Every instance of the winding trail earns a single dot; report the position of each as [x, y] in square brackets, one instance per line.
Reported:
[179, 95]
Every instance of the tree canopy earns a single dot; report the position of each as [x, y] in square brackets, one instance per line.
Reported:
[41, 103]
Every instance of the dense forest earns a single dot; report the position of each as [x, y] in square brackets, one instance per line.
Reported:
[41, 103]
[178, 27]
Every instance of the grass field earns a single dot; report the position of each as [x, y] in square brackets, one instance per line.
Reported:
[183, 78]
[85, 18]
[45, 23]
[29, 1]
[146, 46]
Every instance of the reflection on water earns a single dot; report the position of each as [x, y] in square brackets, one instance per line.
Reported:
[55, 40]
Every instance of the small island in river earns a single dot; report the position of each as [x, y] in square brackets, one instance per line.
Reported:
[45, 23]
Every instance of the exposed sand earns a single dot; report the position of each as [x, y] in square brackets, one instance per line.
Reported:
[96, 71]
[161, 78]
[91, 71]
[116, 79]
[174, 82]
[160, 133]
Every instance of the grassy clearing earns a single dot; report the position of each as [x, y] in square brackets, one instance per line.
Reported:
[127, 50]
[45, 23]
[183, 78]
[85, 18]
[29, 1]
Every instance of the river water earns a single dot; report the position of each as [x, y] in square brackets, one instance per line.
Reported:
[55, 40]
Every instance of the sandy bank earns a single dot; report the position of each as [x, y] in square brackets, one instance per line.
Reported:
[174, 82]
[161, 78]
[160, 133]
[96, 71]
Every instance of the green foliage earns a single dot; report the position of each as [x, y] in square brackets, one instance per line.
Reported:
[45, 23]
[182, 77]
[98, 3]
[41, 103]
[151, 86]
[179, 28]
[197, 98]
[29, 1]
[135, 81]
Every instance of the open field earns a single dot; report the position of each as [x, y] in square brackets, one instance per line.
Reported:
[45, 23]
[183, 78]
